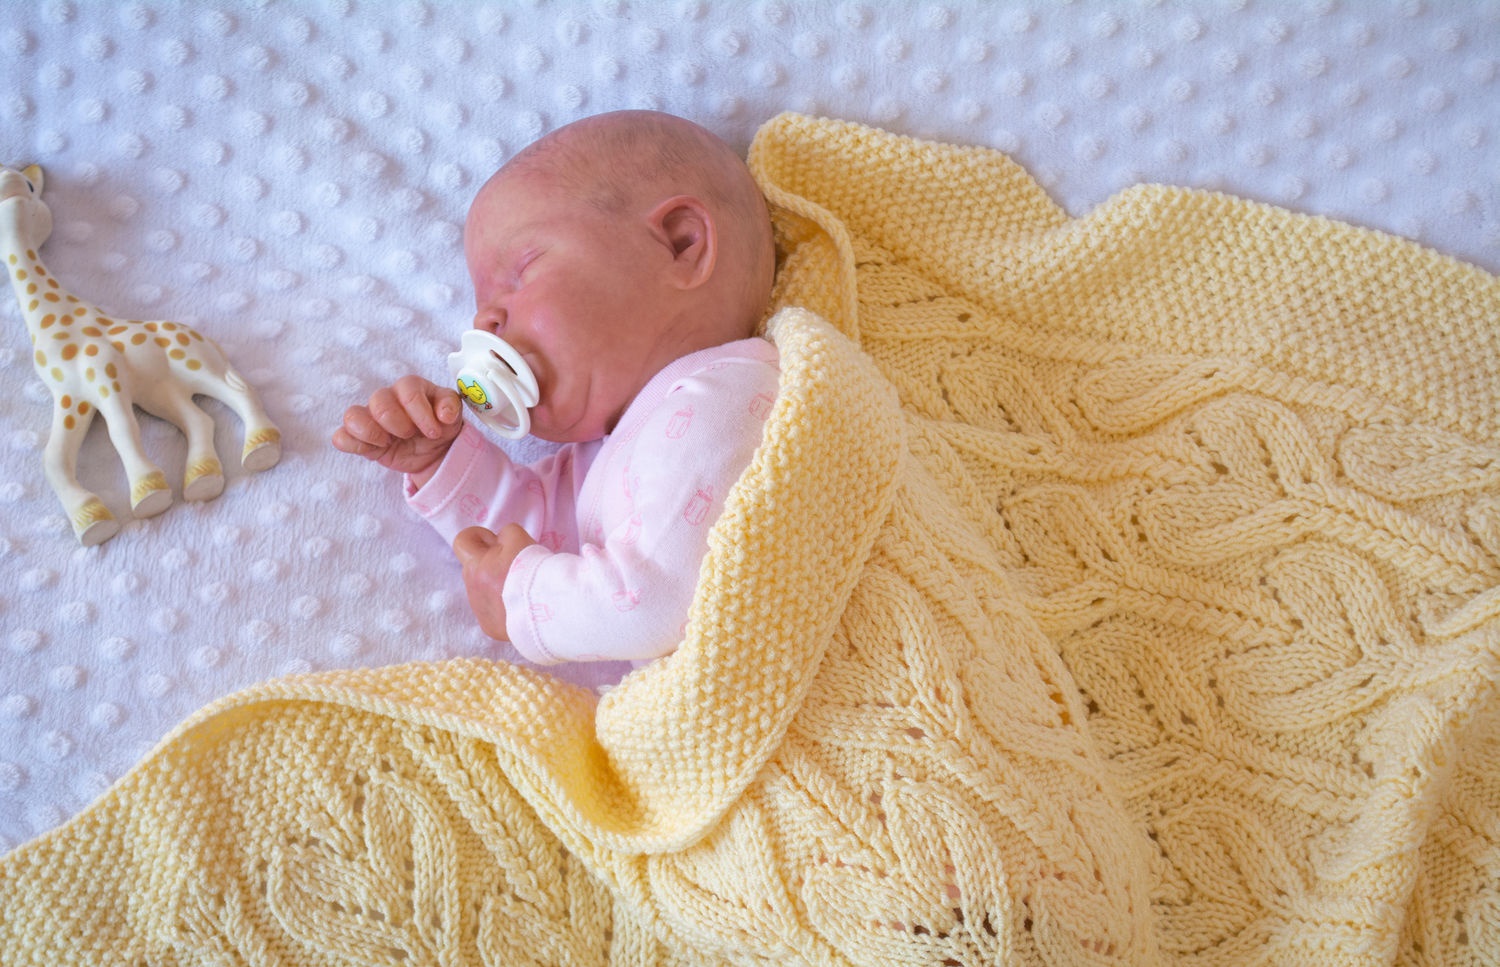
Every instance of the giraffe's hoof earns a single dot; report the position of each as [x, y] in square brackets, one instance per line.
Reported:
[150, 495]
[204, 480]
[94, 524]
[262, 449]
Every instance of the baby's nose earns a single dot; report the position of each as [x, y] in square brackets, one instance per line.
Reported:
[490, 319]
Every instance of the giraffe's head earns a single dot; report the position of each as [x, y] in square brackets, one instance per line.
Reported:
[21, 207]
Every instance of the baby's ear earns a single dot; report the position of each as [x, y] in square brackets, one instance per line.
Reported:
[33, 174]
[684, 225]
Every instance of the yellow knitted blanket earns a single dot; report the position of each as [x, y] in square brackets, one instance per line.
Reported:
[1113, 590]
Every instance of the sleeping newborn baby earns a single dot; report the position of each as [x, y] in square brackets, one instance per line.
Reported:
[625, 262]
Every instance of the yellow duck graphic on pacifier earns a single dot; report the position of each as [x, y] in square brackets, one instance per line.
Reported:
[473, 392]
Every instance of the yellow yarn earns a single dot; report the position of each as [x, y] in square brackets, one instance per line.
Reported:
[1112, 590]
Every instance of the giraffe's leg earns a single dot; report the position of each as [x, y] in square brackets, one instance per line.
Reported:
[91, 520]
[262, 438]
[203, 477]
[149, 492]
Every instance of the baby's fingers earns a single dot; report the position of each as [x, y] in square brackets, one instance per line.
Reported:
[344, 442]
[431, 410]
[448, 407]
[360, 433]
[391, 413]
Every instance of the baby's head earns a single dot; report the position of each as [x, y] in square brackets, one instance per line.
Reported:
[608, 249]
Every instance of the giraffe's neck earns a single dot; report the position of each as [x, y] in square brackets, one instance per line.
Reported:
[34, 286]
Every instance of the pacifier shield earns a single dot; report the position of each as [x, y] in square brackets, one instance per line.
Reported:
[495, 381]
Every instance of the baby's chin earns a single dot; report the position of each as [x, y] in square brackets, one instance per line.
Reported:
[591, 419]
[545, 427]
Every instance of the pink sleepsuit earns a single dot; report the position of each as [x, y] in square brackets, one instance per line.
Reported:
[621, 523]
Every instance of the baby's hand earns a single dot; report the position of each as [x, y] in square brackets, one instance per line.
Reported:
[407, 427]
[486, 558]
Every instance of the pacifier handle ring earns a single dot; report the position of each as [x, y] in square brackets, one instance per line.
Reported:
[507, 428]
[524, 380]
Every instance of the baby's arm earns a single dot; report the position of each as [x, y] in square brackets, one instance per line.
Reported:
[407, 427]
[476, 483]
[626, 593]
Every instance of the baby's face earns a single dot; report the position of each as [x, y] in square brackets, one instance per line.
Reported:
[575, 292]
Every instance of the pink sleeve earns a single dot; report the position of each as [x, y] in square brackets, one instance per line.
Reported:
[627, 596]
[478, 484]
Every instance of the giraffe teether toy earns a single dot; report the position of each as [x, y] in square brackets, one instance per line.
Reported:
[97, 365]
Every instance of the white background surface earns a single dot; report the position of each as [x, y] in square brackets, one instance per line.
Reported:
[291, 177]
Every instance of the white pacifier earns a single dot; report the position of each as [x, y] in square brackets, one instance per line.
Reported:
[498, 385]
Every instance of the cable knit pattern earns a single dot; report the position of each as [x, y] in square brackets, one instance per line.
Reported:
[1114, 590]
